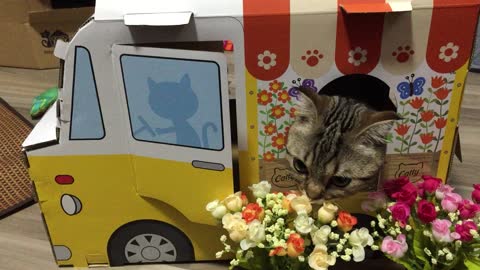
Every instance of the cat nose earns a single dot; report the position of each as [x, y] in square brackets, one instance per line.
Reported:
[313, 189]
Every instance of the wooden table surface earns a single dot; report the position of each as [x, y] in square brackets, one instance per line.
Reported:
[24, 243]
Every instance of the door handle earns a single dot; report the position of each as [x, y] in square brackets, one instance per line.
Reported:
[208, 165]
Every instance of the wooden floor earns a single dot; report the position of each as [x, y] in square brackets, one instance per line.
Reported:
[24, 243]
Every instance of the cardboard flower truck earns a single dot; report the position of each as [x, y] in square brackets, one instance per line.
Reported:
[145, 133]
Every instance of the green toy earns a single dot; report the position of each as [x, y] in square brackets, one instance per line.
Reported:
[42, 102]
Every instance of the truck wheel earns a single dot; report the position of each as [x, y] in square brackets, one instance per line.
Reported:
[149, 241]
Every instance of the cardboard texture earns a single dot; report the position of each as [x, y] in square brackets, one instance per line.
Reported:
[147, 125]
[33, 28]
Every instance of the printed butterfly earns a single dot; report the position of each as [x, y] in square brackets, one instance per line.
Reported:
[307, 83]
[411, 86]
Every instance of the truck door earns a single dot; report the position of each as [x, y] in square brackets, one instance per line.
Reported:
[177, 106]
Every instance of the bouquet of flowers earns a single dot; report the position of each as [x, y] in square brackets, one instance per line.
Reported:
[279, 231]
[426, 225]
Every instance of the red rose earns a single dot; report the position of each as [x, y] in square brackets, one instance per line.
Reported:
[476, 193]
[426, 211]
[429, 184]
[407, 194]
[346, 221]
[464, 230]
[400, 212]
[394, 185]
[468, 209]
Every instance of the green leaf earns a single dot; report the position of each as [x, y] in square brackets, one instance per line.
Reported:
[430, 90]
[417, 132]
[261, 133]
[445, 102]
[412, 121]
[275, 151]
[421, 147]
[445, 113]
[280, 128]
[472, 263]
[408, 137]
[268, 145]
[431, 124]
[271, 105]
[261, 144]
[274, 95]
[441, 138]
[418, 247]
[282, 150]
[263, 112]
[437, 102]
[413, 144]
[264, 123]
[423, 125]
[413, 114]
[436, 114]
[397, 150]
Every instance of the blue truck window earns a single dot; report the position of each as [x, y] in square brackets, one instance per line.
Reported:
[174, 101]
[86, 120]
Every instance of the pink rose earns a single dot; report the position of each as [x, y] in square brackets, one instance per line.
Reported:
[375, 201]
[468, 209]
[429, 185]
[451, 201]
[442, 190]
[400, 212]
[441, 231]
[393, 186]
[395, 248]
[476, 193]
[464, 230]
[426, 211]
[407, 194]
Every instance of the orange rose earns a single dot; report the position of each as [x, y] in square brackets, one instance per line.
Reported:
[278, 251]
[346, 221]
[253, 211]
[295, 245]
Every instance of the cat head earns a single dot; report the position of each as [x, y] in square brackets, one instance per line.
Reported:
[337, 144]
[172, 100]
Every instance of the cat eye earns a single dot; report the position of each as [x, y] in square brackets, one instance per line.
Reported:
[299, 166]
[341, 181]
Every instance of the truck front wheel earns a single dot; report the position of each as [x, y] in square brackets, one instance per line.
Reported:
[149, 241]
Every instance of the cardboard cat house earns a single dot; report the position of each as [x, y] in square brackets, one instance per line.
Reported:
[153, 122]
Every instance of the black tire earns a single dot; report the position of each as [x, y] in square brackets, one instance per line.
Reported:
[149, 230]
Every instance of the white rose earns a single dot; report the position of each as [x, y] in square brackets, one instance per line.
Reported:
[359, 239]
[320, 237]
[301, 205]
[229, 219]
[238, 230]
[234, 202]
[217, 209]
[255, 235]
[327, 212]
[261, 189]
[319, 259]
[303, 223]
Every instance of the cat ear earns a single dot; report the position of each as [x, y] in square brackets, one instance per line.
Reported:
[376, 127]
[309, 105]
[151, 83]
[185, 81]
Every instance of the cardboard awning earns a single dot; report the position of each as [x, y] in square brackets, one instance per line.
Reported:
[378, 7]
[158, 19]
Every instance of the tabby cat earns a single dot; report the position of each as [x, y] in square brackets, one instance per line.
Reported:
[337, 144]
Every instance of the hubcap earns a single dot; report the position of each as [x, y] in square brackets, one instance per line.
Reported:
[150, 248]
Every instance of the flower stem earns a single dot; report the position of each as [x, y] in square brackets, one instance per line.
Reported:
[439, 130]
[413, 134]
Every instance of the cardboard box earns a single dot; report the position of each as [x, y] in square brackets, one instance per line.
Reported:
[146, 133]
[33, 28]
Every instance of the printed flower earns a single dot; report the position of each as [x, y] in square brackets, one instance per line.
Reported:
[442, 93]
[441, 231]
[267, 60]
[437, 81]
[283, 96]
[448, 52]
[295, 245]
[426, 137]
[464, 230]
[395, 248]
[402, 129]
[451, 201]
[427, 115]
[346, 221]
[440, 122]
[275, 86]
[407, 194]
[277, 111]
[426, 211]
[320, 259]
[252, 212]
[264, 97]
[476, 193]
[279, 141]
[320, 236]
[261, 189]
[327, 212]
[292, 112]
[400, 212]
[416, 103]
[468, 209]
[270, 129]
[357, 56]
[268, 156]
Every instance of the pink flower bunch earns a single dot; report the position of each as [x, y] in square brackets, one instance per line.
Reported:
[430, 214]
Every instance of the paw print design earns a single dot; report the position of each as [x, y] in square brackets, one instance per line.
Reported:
[402, 54]
[312, 58]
